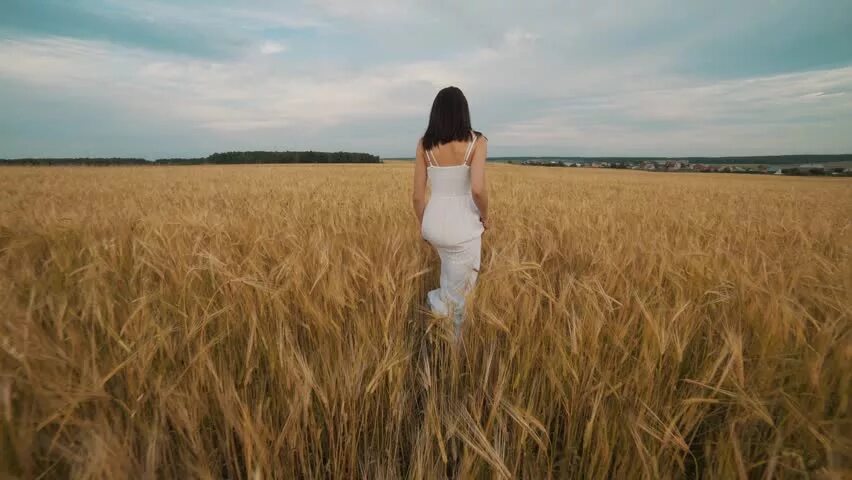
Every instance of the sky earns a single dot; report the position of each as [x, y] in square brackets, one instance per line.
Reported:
[185, 78]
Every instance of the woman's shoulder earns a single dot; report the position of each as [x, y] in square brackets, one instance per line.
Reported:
[481, 139]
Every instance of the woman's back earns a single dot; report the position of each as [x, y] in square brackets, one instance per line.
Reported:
[450, 154]
[451, 216]
[449, 168]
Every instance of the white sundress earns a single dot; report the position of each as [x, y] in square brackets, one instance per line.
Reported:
[451, 225]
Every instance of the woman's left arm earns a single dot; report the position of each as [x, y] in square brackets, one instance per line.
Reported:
[419, 193]
[477, 179]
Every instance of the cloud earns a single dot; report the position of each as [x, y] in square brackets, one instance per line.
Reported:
[246, 93]
[577, 77]
[84, 20]
[216, 14]
[239, 95]
[371, 11]
[771, 114]
[209, 30]
[270, 47]
[518, 38]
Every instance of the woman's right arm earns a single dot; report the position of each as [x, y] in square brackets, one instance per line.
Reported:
[477, 178]
[419, 192]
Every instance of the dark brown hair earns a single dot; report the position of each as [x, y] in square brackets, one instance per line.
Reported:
[449, 119]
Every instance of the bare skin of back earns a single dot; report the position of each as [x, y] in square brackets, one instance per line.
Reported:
[451, 154]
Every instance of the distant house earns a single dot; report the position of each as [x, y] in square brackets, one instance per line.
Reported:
[676, 165]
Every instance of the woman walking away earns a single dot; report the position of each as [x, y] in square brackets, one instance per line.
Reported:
[451, 156]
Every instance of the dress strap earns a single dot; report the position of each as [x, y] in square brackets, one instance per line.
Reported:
[470, 147]
[431, 158]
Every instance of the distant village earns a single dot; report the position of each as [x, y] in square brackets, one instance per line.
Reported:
[674, 165]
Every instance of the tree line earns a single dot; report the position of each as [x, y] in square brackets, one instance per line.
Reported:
[226, 158]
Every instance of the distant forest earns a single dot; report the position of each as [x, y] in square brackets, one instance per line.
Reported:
[764, 159]
[228, 158]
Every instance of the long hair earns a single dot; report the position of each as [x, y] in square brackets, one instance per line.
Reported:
[449, 119]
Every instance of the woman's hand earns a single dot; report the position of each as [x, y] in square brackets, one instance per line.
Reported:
[484, 222]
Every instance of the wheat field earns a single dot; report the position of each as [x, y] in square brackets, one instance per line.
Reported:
[268, 322]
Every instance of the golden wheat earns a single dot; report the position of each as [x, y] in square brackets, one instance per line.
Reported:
[267, 322]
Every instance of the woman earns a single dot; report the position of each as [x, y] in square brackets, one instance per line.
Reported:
[452, 156]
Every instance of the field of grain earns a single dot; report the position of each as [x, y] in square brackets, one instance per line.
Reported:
[267, 322]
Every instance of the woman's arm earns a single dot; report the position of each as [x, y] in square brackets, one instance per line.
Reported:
[477, 178]
[419, 194]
